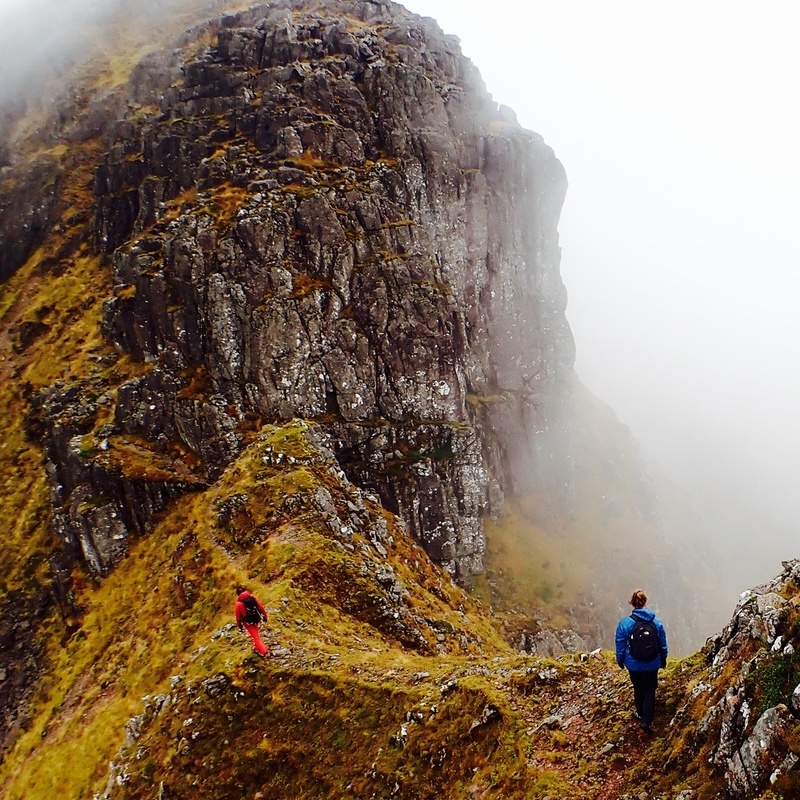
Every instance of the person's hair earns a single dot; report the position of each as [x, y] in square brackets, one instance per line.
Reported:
[240, 589]
[638, 598]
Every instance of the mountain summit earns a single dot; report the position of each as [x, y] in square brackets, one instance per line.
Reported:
[322, 215]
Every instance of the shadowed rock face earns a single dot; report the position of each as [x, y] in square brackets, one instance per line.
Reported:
[326, 216]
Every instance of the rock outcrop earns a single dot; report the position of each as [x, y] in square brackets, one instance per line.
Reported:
[101, 493]
[324, 215]
[745, 698]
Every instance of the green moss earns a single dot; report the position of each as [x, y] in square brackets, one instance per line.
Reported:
[773, 680]
[529, 569]
[551, 784]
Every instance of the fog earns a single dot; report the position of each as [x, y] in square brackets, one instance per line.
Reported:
[43, 38]
[681, 246]
[38, 36]
[678, 127]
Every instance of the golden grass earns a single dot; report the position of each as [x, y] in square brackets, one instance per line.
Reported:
[224, 203]
[67, 310]
[154, 615]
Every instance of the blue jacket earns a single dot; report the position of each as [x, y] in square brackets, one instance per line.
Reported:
[624, 658]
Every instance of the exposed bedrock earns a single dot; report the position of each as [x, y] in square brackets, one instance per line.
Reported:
[328, 217]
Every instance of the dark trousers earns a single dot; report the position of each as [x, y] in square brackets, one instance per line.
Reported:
[644, 695]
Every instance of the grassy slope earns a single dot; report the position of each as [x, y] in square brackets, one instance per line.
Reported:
[337, 687]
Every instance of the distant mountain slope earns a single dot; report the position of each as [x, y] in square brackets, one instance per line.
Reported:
[572, 570]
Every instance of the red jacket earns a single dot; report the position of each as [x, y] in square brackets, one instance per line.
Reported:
[240, 610]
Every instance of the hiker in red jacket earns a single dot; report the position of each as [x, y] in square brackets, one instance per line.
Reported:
[249, 612]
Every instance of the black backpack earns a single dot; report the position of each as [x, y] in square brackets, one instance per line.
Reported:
[643, 641]
[252, 616]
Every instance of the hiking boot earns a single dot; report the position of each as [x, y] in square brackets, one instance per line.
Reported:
[647, 730]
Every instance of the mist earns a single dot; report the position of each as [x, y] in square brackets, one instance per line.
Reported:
[44, 41]
[678, 130]
[679, 235]
[40, 38]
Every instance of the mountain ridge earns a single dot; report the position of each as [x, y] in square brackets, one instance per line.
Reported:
[284, 320]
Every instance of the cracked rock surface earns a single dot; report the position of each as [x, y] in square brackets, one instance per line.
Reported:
[324, 215]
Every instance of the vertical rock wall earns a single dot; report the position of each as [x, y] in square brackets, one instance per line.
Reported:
[326, 216]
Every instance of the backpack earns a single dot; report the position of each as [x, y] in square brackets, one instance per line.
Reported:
[643, 641]
[252, 616]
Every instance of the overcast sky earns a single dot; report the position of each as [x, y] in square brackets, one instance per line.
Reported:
[678, 127]
[677, 124]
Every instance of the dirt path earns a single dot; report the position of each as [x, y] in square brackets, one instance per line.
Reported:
[582, 727]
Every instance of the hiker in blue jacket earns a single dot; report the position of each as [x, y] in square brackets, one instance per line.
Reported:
[642, 648]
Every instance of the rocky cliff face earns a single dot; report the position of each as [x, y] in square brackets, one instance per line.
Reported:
[753, 728]
[320, 214]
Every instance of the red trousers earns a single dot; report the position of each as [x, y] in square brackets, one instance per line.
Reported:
[258, 645]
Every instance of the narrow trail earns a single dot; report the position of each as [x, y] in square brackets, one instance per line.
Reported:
[582, 729]
[576, 711]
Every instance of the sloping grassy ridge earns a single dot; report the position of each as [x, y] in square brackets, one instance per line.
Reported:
[158, 612]
[314, 734]
[410, 692]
